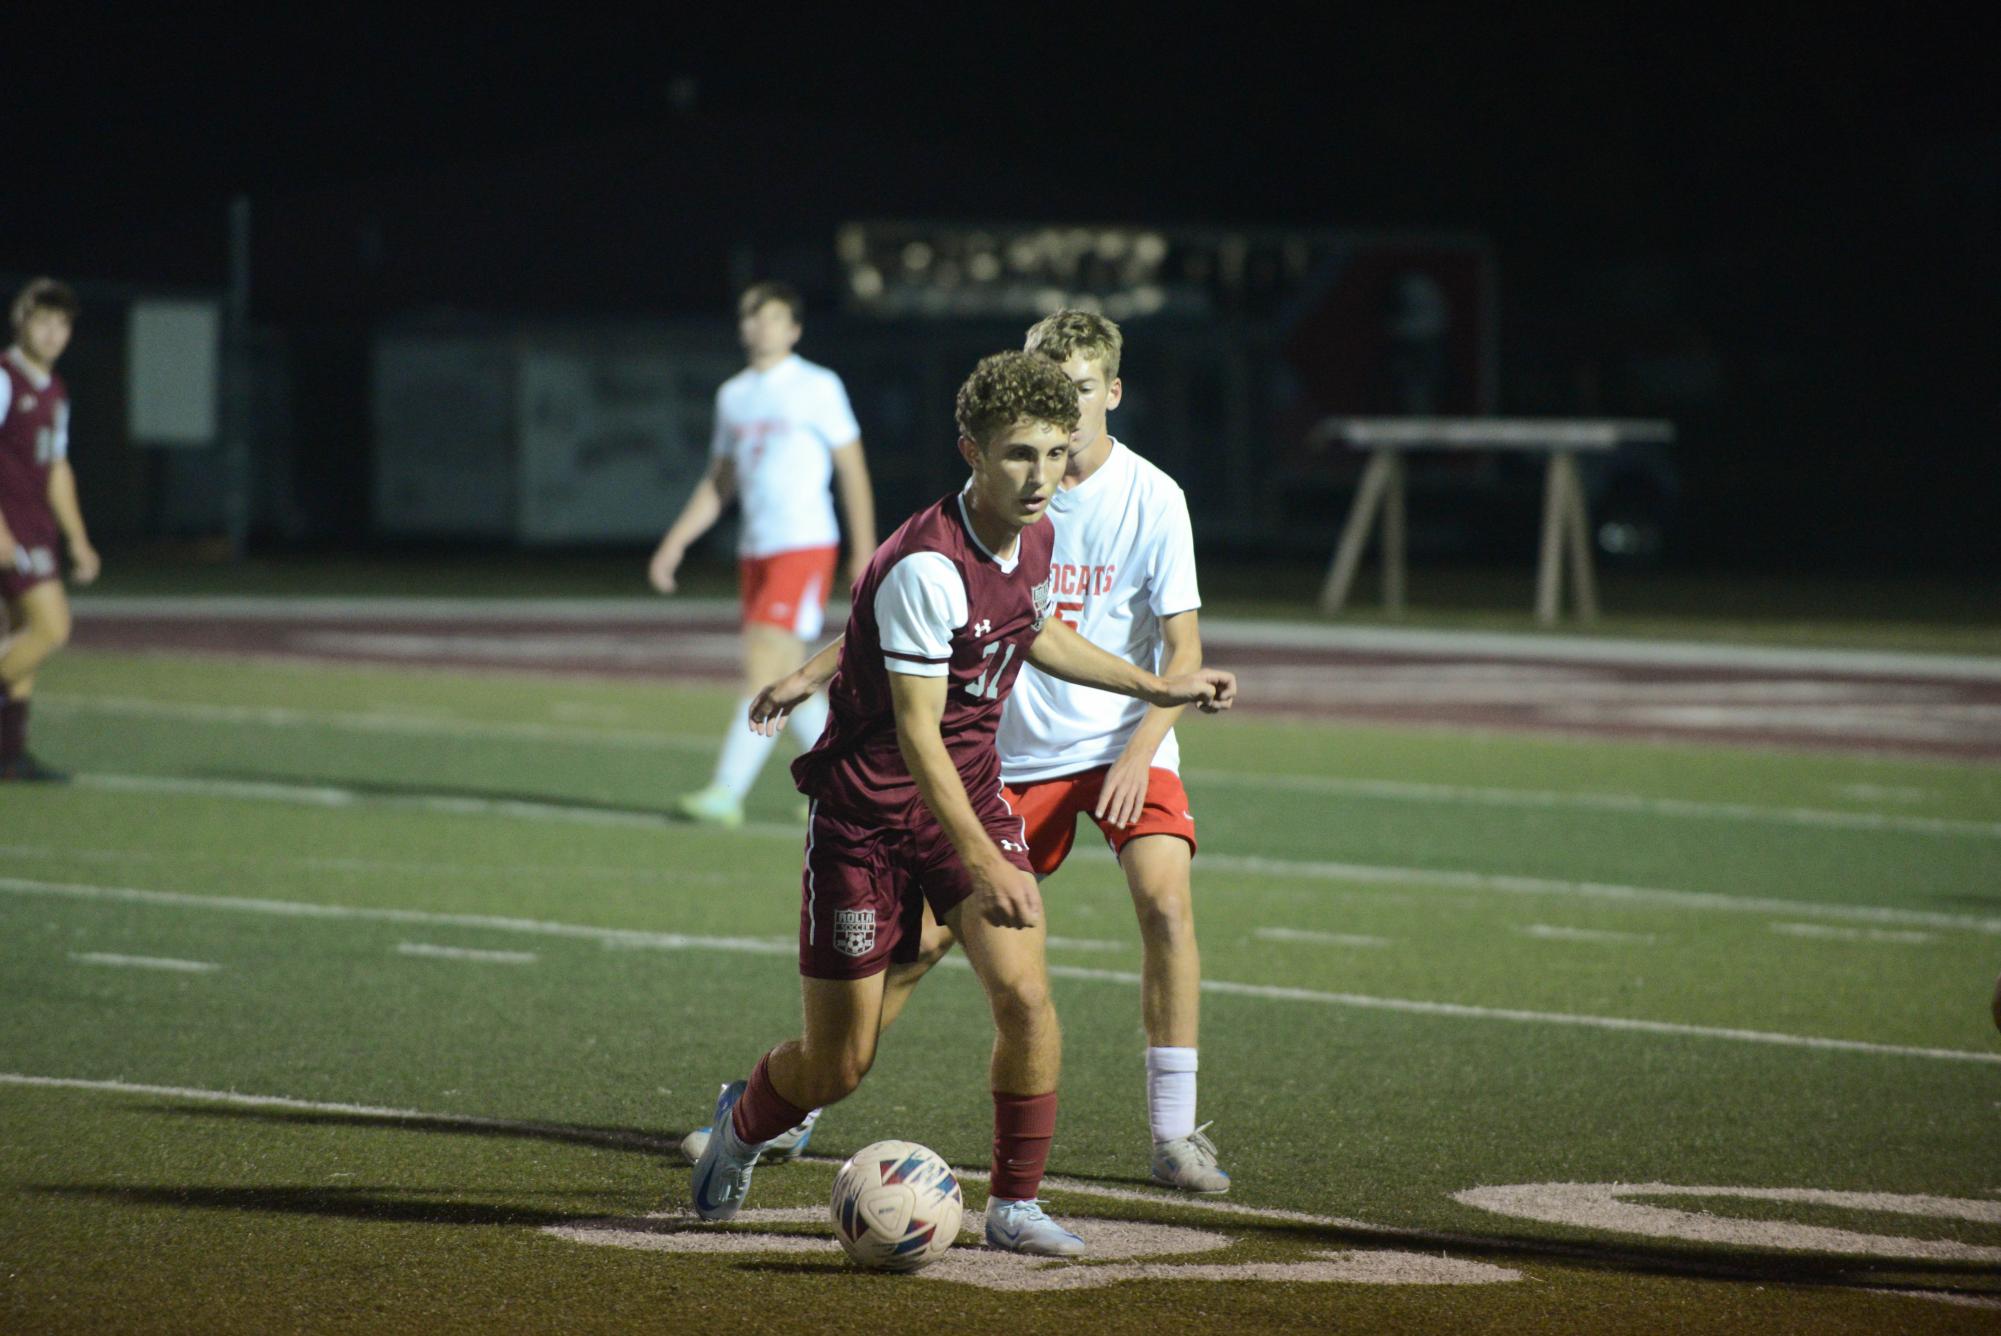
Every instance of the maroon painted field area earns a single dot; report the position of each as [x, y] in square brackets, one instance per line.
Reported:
[1904, 704]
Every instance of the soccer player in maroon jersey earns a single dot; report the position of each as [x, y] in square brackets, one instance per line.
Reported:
[907, 805]
[38, 508]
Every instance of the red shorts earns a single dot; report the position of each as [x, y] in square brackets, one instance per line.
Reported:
[37, 558]
[862, 897]
[788, 590]
[1050, 808]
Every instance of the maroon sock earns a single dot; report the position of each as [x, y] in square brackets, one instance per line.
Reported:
[763, 1113]
[1024, 1125]
[13, 728]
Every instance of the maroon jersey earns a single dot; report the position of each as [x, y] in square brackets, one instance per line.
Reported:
[856, 766]
[34, 434]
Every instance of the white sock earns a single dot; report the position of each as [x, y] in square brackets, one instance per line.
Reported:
[1170, 1092]
[743, 753]
[808, 721]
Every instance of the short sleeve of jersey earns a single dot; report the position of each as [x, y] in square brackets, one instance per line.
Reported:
[833, 419]
[719, 436]
[917, 607]
[6, 394]
[1171, 588]
[59, 448]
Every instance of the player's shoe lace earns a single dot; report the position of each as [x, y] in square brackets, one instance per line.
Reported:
[722, 1175]
[1189, 1163]
[1023, 1227]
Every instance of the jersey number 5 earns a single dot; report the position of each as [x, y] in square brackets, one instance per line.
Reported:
[982, 687]
[1070, 614]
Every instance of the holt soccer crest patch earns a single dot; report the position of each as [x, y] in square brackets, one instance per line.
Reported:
[854, 931]
[1044, 595]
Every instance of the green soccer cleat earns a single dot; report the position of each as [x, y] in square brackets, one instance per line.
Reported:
[712, 806]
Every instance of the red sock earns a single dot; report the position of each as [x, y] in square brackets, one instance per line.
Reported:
[763, 1113]
[1024, 1125]
[13, 727]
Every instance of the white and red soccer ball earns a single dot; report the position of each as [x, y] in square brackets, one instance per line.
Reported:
[896, 1206]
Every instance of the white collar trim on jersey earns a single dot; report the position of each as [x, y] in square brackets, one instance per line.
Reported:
[39, 379]
[1007, 564]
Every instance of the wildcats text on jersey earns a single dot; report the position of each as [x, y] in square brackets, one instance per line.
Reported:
[1070, 578]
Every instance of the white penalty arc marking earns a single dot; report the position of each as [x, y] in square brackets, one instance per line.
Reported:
[144, 962]
[1628, 803]
[430, 952]
[627, 937]
[1608, 1206]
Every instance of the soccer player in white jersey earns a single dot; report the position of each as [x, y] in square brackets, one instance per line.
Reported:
[783, 428]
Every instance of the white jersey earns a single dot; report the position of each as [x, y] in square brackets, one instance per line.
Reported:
[1124, 560]
[780, 428]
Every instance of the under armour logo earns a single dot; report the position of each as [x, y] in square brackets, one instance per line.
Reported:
[1011, 847]
[981, 629]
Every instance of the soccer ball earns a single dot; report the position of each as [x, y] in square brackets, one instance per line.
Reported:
[896, 1206]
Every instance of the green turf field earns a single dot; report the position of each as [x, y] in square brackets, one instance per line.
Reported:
[377, 1000]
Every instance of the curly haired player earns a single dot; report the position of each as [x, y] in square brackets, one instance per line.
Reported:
[907, 805]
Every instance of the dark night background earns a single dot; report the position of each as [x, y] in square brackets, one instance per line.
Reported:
[1806, 198]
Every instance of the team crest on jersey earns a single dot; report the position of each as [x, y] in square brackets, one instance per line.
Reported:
[854, 931]
[1044, 595]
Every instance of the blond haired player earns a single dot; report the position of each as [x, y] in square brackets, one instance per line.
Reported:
[783, 428]
[38, 509]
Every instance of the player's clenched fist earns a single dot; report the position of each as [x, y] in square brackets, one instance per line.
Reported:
[1210, 690]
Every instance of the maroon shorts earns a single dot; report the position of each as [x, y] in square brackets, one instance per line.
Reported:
[37, 557]
[862, 900]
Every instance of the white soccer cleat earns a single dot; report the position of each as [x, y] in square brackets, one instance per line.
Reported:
[1189, 1163]
[1022, 1227]
[712, 806]
[785, 1146]
[722, 1175]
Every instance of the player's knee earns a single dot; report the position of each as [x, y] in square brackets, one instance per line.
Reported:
[53, 627]
[1022, 1004]
[1166, 918]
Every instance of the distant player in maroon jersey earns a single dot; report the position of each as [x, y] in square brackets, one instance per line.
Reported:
[907, 802]
[38, 508]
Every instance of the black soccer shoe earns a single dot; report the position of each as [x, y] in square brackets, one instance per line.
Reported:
[26, 769]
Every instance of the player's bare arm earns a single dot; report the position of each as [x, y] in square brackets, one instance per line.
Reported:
[1123, 796]
[62, 500]
[775, 704]
[6, 543]
[697, 517]
[851, 482]
[1004, 894]
[1061, 652]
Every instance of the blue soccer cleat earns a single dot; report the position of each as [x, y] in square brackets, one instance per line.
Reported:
[722, 1175]
[1022, 1227]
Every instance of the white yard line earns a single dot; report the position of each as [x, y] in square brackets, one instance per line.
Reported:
[1824, 932]
[144, 962]
[1251, 633]
[1318, 938]
[682, 942]
[1632, 803]
[353, 721]
[1085, 944]
[1552, 932]
[1503, 884]
[431, 952]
